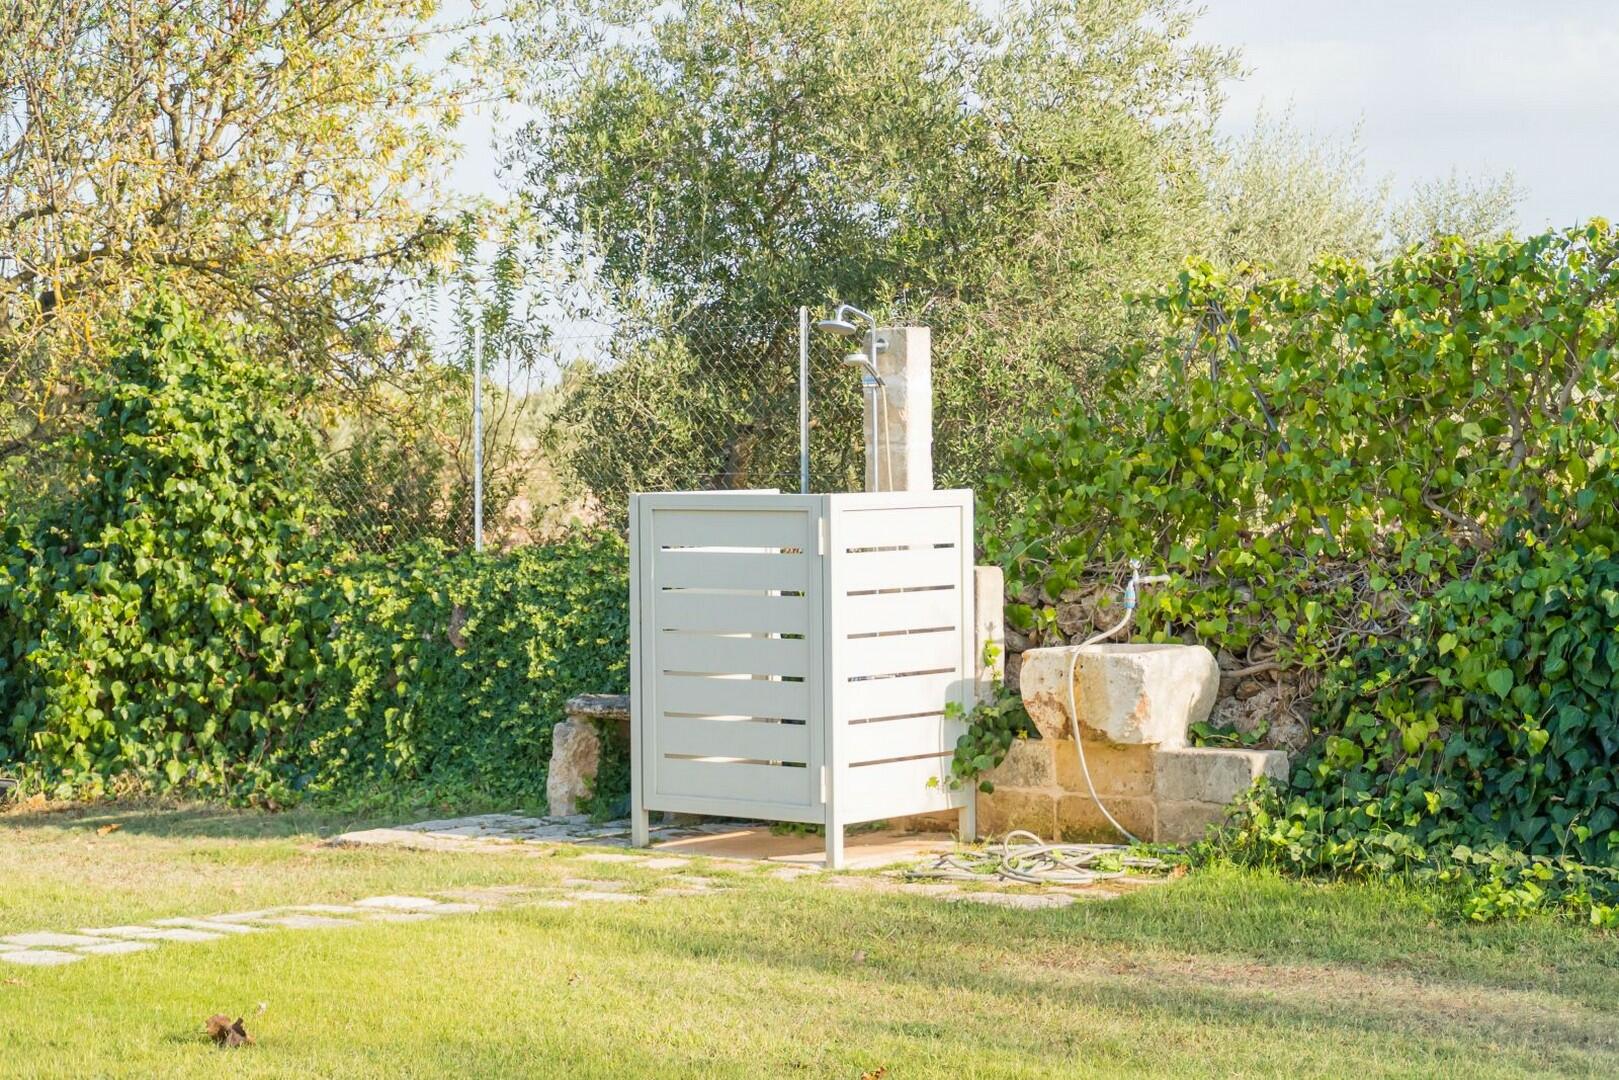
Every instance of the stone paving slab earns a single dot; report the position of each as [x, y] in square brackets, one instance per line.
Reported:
[397, 903]
[51, 941]
[39, 957]
[217, 925]
[51, 948]
[123, 932]
[116, 948]
[181, 933]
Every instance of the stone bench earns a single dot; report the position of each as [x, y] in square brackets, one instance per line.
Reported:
[576, 747]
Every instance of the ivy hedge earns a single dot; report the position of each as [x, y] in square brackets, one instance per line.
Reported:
[1397, 485]
[184, 621]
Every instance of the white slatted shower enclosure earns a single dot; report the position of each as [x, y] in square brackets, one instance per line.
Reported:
[795, 657]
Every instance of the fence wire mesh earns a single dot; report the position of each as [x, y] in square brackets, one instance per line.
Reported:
[589, 417]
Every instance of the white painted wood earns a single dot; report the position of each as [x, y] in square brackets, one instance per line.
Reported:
[902, 787]
[731, 614]
[902, 695]
[642, 649]
[880, 740]
[733, 697]
[688, 568]
[713, 654]
[754, 739]
[764, 786]
[715, 642]
[883, 613]
[903, 568]
[897, 526]
[731, 529]
[939, 650]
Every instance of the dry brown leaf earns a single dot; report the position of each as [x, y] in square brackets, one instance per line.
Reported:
[876, 1074]
[225, 1033]
[109, 828]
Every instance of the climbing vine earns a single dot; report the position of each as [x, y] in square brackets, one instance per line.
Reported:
[1396, 486]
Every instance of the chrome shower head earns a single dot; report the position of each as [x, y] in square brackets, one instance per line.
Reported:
[840, 327]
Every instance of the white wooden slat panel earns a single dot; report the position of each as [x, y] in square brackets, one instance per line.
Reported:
[688, 569]
[907, 737]
[731, 614]
[711, 654]
[903, 569]
[936, 651]
[896, 697]
[734, 738]
[893, 527]
[897, 787]
[733, 697]
[746, 783]
[731, 528]
[878, 613]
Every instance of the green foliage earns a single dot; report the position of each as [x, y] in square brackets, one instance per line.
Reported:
[153, 621]
[1402, 481]
[184, 621]
[453, 669]
[1008, 172]
[991, 727]
[1482, 749]
[281, 164]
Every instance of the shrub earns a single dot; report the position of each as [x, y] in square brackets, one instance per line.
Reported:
[453, 669]
[153, 621]
[1400, 483]
[185, 621]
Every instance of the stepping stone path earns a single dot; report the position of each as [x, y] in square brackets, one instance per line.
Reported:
[494, 832]
[489, 830]
[52, 948]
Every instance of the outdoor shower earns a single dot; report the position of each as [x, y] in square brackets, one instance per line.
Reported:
[872, 386]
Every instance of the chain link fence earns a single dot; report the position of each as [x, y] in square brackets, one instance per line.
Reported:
[593, 415]
[586, 416]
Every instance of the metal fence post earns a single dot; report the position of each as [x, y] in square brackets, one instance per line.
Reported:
[477, 436]
[803, 400]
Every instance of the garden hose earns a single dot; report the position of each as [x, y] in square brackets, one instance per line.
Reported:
[1025, 859]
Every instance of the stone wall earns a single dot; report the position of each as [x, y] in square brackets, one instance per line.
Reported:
[1166, 796]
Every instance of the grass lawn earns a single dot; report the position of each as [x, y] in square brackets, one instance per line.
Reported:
[1221, 973]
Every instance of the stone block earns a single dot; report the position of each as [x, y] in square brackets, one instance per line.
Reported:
[1187, 822]
[575, 757]
[989, 627]
[603, 710]
[1212, 775]
[1007, 809]
[1028, 764]
[1115, 770]
[1080, 819]
[1130, 694]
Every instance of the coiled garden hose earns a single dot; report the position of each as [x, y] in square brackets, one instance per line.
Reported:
[1025, 859]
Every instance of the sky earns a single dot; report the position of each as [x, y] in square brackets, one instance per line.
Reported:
[1485, 87]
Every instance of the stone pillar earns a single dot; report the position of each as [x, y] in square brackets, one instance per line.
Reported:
[904, 412]
[989, 628]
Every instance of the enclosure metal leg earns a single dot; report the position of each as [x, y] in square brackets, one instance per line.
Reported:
[967, 825]
[834, 846]
[640, 827]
